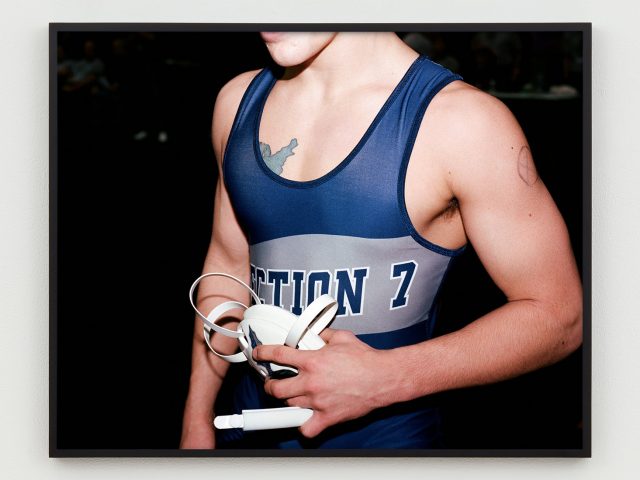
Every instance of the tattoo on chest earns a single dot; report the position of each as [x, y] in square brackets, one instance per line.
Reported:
[526, 167]
[275, 161]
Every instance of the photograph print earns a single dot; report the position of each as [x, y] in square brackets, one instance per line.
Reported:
[278, 240]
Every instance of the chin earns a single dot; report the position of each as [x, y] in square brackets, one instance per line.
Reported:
[286, 57]
[289, 49]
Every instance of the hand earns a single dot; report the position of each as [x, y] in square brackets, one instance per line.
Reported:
[345, 379]
[198, 436]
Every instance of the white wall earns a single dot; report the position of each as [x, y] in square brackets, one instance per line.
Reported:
[24, 119]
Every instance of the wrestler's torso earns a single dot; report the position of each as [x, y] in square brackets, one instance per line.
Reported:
[345, 228]
[339, 223]
[327, 127]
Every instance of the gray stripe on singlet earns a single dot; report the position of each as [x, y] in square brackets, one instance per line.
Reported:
[334, 252]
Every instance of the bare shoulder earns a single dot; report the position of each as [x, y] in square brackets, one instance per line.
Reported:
[471, 133]
[474, 118]
[231, 93]
[226, 106]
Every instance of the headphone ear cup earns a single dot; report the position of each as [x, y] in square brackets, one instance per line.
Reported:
[313, 320]
[270, 313]
[262, 328]
[311, 341]
[270, 324]
[272, 321]
[267, 324]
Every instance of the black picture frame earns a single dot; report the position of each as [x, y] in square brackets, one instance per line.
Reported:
[61, 295]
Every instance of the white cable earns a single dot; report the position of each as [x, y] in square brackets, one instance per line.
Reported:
[301, 332]
[214, 315]
[212, 325]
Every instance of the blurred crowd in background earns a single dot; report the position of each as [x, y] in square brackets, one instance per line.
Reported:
[125, 79]
[501, 62]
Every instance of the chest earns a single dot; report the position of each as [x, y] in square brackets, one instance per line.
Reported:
[303, 138]
[313, 134]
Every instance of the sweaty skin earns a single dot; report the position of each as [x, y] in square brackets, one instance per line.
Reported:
[469, 153]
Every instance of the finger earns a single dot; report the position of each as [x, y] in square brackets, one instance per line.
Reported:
[285, 388]
[301, 401]
[330, 335]
[279, 354]
[313, 426]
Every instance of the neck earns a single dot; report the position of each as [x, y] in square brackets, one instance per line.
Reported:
[351, 59]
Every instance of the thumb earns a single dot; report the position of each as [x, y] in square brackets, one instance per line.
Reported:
[327, 334]
[332, 335]
[313, 426]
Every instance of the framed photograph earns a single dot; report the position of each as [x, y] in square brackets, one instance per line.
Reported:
[432, 182]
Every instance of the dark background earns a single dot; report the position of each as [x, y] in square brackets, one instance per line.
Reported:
[133, 210]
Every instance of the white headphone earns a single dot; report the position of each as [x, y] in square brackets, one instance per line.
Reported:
[267, 324]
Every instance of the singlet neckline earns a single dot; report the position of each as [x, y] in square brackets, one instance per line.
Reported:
[344, 162]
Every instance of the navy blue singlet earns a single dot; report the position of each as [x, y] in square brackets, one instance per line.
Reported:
[348, 234]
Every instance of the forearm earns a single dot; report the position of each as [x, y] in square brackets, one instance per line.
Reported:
[516, 338]
[208, 370]
[347, 378]
[207, 374]
[206, 378]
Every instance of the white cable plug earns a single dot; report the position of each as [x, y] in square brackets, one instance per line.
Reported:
[264, 419]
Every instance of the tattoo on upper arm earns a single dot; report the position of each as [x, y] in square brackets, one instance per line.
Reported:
[276, 161]
[526, 167]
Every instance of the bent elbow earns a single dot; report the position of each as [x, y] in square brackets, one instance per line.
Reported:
[575, 331]
[572, 325]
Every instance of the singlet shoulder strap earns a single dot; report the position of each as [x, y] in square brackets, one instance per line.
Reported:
[430, 80]
[251, 98]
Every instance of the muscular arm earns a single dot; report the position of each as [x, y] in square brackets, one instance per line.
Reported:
[520, 237]
[522, 241]
[228, 252]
